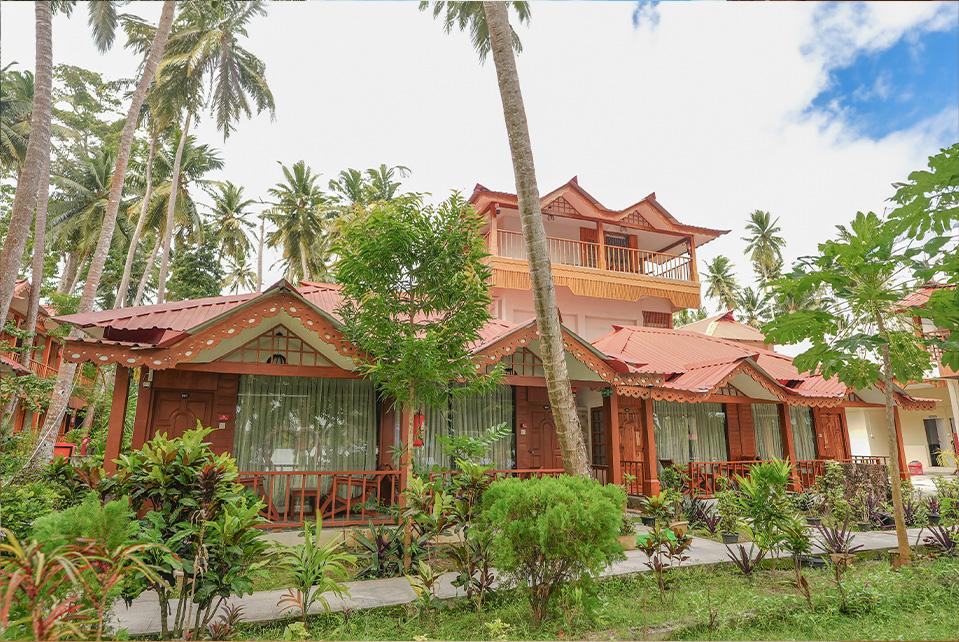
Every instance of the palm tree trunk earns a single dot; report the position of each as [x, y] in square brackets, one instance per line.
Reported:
[145, 277]
[67, 278]
[304, 268]
[38, 148]
[259, 257]
[64, 385]
[39, 252]
[572, 444]
[170, 208]
[141, 223]
[898, 511]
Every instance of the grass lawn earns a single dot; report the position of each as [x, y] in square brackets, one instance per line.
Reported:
[715, 602]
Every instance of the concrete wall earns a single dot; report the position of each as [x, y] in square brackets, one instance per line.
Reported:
[588, 317]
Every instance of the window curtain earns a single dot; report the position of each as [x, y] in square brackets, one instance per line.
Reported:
[304, 424]
[804, 437]
[769, 440]
[469, 416]
[690, 431]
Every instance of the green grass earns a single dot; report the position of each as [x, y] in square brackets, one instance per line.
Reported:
[714, 602]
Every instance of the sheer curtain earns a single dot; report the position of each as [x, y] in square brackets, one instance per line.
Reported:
[468, 416]
[804, 437]
[304, 424]
[769, 440]
[690, 431]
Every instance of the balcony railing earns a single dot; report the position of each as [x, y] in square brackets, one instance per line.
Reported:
[636, 476]
[624, 260]
[40, 369]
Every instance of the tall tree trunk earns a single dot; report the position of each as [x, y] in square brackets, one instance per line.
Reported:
[572, 443]
[64, 385]
[304, 268]
[145, 277]
[39, 253]
[170, 208]
[259, 257]
[38, 148]
[68, 276]
[898, 512]
[141, 223]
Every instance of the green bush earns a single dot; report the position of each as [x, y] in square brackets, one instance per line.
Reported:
[22, 502]
[546, 532]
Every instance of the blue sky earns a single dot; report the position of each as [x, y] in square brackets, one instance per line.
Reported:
[897, 87]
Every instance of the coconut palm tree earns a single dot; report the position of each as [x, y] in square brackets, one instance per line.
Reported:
[229, 217]
[764, 245]
[300, 214]
[16, 104]
[349, 186]
[205, 52]
[753, 307]
[240, 277]
[64, 383]
[491, 32]
[35, 171]
[721, 283]
[381, 183]
[685, 317]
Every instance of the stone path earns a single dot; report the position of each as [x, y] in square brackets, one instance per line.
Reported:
[143, 615]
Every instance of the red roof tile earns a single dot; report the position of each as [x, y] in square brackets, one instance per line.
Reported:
[921, 296]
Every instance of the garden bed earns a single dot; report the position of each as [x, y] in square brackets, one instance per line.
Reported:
[918, 602]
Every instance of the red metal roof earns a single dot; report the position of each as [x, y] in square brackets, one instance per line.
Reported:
[178, 316]
[668, 351]
[9, 365]
[921, 296]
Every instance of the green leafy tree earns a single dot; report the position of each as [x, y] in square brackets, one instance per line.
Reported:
[764, 246]
[300, 213]
[491, 33]
[197, 272]
[925, 223]
[721, 283]
[229, 217]
[16, 103]
[862, 336]
[685, 317]
[753, 306]
[415, 296]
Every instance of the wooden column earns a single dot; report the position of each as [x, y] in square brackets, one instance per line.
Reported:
[141, 419]
[650, 458]
[613, 454]
[789, 444]
[903, 470]
[847, 444]
[118, 411]
[493, 231]
[693, 270]
[601, 246]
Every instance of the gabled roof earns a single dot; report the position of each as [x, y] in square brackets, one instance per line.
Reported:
[725, 326]
[581, 204]
[9, 366]
[697, 363]
[921, 296]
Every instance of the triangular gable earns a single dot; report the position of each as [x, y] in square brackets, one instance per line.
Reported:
[278, 346]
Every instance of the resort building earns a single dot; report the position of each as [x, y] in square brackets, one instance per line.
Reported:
[44, 363]
[275, 378]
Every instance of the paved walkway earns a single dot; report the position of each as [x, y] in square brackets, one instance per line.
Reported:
[143, 615]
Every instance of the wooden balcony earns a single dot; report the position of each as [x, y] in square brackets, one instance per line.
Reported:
[592, 269]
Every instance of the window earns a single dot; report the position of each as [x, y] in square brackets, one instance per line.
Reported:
[769, 441]
[804, 438]
[690, 431]
[657, 319]
[303, 423]
[468, 416]
[597, 426]
[278, 346]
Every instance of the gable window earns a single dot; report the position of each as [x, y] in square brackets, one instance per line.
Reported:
[278, 346]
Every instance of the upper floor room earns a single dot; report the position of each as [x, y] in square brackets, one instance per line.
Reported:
[639, 251]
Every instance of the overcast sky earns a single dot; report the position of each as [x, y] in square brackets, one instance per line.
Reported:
[809, 110]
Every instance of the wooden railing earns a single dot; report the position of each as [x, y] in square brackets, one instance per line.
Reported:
[40, 369]
[600, 473]
[343, 498]
[809, 471]
[874, 460]
[585, 254]
[502, 473]
[638, 476]
[703, 475]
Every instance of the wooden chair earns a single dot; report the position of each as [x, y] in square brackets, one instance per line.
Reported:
[360, 487]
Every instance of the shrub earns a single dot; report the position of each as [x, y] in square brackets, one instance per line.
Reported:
[546, 532]
[762, 499]
[207, 520]
[24, 501]
[316, 568]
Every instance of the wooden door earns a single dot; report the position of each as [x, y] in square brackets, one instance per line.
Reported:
[829, 436]
[543, 445]
[176, 411]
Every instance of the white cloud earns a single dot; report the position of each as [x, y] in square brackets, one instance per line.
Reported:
[708, 109]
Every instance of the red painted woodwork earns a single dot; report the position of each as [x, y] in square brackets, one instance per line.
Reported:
[118, 410]
[536, 442]
[740, 433]
[830, 442]
[176, 411]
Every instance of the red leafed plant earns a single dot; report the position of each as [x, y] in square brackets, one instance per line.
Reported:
[45, 587]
